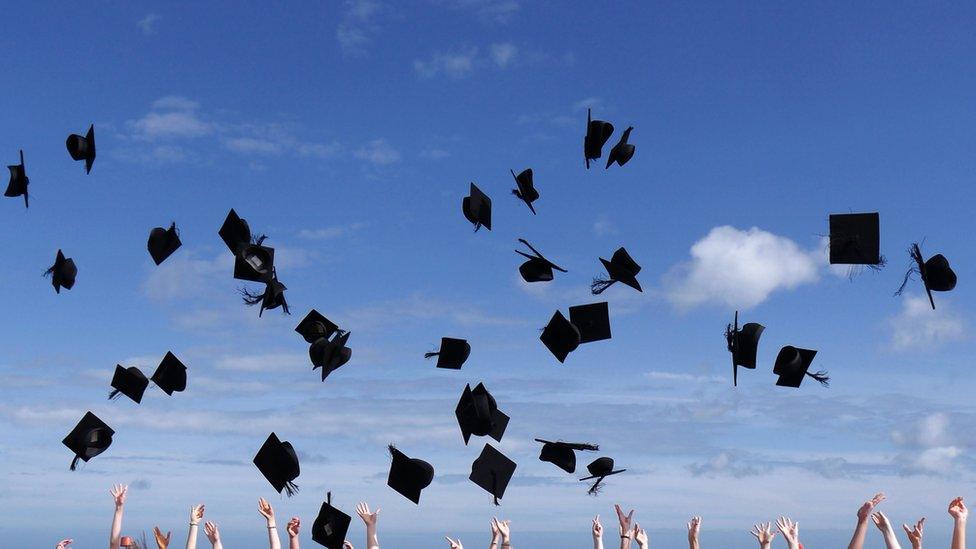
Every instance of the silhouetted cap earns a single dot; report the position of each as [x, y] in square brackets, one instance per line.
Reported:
[130, 382]
[621, 268]
[315, 326]
[272, 297]
[478, 414]
[936, 273]
[597, 134]
[537, 268]
[163, 242]
[278, 463]
[623, 151]
[409, 476]
[743, 344]
[62, 273]
[330, 353]
[83, 148]
[592, 321]
[563, 454]
[170, 375]
[253, 261]
[88, 439]
[477, 208]
[492, 471]
[525, 190]
[855, 239]
[793, 364]
[599, 469]
[330, 527]
[452, 354]
[18, 181]
[560, 336]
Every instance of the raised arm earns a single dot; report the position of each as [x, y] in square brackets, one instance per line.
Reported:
[162, 542]
[294, 525]
[119, 492]
[268, 513]
[369, 519]
[505, 531]
[597, 533]
[626, 526]
[693, 527]
[64, 544]
[790, 531]
[213, 534]
[959, 514]
[641, 536]
[455, 543]
[863, 514]
[764, 533]
[915, 533]
[196, 515]
[883, 524]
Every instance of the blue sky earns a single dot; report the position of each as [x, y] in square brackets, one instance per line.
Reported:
[349, 132]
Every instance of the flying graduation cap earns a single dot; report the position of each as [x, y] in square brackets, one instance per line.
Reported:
[272, 297]
[597, 134]
[563, 454]
[278, 462]
[525, 190]
[452, 353]
[537, 268]
[560, 336]
[330, 526]
[88, 439]
[163, 242]
[170, 375]
[478, 414]
[327, 349]
[599, 469]
[408, 476]
[477, 208]
[83, 148]
[935, 272]
[492, 471]
[623, 151]
[62, 273]
[18, 181]
[621, 268]
[592, 320]
[855, 239]
[743, 344]
[253, 261]
[793, 364]
[130, 382]
[315, 326]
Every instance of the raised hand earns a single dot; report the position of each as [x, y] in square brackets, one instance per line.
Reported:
[957, 510]
[196, 513]
[640, 535]
[293, 526]
[119, 491]
[626, 521]
[455, 544]
[693, 527]
[161, 541]
[213, 534]
[865, 511]
[597, 527]
[503, 528]
[790, 531]
[764, 533]
[915, 533]
[265, 509]
[64, 544]
[369, 519]
[881, 521]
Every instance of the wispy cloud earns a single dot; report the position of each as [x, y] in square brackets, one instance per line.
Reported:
[171, 117]
[148, 24]
[918, 326]
[454, 64]
[251, 145]
[358, 25]
[503, 53]
[434, 153]
[378, 152]
[491, 11]
[186, 275]
[329, 233]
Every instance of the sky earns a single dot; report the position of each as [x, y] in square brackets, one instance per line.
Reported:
[349, 131]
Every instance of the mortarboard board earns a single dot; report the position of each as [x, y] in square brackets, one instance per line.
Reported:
[525, 190]
[163, 242]
[83, 148]
[62, 273]
[597, 134]
[621, 268]
[492, 471]
[130, 382]
[855, 239]
[170, 375]
[477, 208]
[563, 454]
[18, 181]
[592, 321]
[743, 344]
[477, 414]
[537, 268]
[88, 439]
[623, 151]
[253, 261]
[330, 527]
[278, 463]
[599, 469]
[452, 354]
[560, 336]
[408, 476]
[936, 273]
[793, 363]
[315, 326]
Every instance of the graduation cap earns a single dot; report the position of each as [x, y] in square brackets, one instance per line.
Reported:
[452, 354]
[525, 191]
[936, 273]
[537, 268]
[560, 336]
[597, 134]
[743, 344]
[478, 414]
[408, 476]
[315, 326]
[855, 239]
[62, 273]
[623, 151]
[278, 463]
[18, 181]
[83, 148]
[592, 321]
[163, 242]
[330, 527]
[253, 261]
[170, 375]
[793, 363]
[492, 471]
[477, 208]
[563, 454]
[330, 353]
[88, 439]
[599, 469]
[272, 297]
[621, 268]
[130, 382]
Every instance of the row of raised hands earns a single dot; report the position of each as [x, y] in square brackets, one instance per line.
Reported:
[957, 510]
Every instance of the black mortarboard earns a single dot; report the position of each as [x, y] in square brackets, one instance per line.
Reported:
[622, 151]
[83, 148]
[18, 181]
[793, 363]
[252, 261]
[272, 297]
[936, 273]
[88, 439]
[63, 272]
[452, 354]
[477, 208]
[563, 454]
[621, 268]
[492, 471]
[130, 382]
[330, 527]
[560, 336]
[170, 375]
[278, 463]
[855, 239]
[537, 268]
[597, 134]
[315, 326]
[408, 476]
[592, 321]
[163, 242]
[478, 414]
[330, 353]
[599, 469]
[525, 191]
[743, 344]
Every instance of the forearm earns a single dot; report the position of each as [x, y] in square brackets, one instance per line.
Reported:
[693, 542]
[372, 542]
[598, 542]
[494, 542]
[860, 532]
[115, 538]
[218, 545]
[191, 536]
[625, 542]
[293, 542]
[506, 542]
[273, 541]
[891, 540]
[959, 535]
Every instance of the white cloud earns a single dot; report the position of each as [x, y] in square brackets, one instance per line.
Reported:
[170, 117]
[183, 276]
[603, 227]
[250, 145]
[358, 25]
[320, 150]
[497, 11]
[456, 64]
[328, 233]
[939, 460]
[918, 326]
[589, 102]
[503, 53]
[148, 24]
[378, 152]
[434, 154]
[739, 268]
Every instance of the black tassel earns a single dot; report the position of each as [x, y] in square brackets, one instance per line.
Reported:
[916, 255]
[49, 271]
[517, 194]
[477, 226]
[822, 377]
[74, 463]
[328, 498]
[595, 489]
[251, 298]
[114, 394]
[428, 355]
[284, 306]
[599, 285]
[259, 240]
[730, 338]
[291, 488]
[494, 486]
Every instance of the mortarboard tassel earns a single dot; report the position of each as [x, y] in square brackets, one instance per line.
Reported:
[74, 463]
[428, 355]
[599, 285]
[494, 486]
[916, 254]
[114, 394]
[251, 298]
[595, 489]
[259, 240]
[821, 377]
[290, 488]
